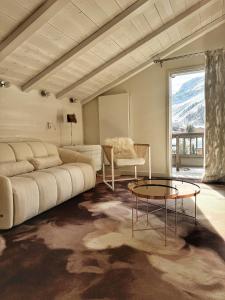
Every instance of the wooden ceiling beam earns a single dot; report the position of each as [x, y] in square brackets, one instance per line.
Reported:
[30, 25]
[133, 47]
[85, 45]
[202, 31]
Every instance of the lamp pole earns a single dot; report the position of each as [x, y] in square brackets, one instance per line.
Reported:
[71, 118]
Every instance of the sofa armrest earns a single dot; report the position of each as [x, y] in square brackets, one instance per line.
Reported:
[6, 203]
[71, 156]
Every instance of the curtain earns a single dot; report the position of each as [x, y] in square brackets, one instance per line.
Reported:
[215, 116]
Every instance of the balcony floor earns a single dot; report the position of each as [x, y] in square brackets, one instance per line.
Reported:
[188, 172]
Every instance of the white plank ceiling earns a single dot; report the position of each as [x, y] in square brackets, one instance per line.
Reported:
[41, 60]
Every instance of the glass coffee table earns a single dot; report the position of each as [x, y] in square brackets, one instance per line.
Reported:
[160, 193]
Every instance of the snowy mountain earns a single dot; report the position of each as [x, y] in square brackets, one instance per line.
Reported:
[188, 104]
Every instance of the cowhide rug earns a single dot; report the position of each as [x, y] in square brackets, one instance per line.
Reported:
[83, 249]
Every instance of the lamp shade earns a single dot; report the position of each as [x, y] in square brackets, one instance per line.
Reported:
[71, 118]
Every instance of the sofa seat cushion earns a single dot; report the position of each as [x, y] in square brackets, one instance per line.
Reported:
[88, 174]
[119, 162]
[76, 177]
[25, 198]
[64, 183]
[47, 187]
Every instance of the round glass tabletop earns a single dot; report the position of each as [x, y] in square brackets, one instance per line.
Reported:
[164, 189]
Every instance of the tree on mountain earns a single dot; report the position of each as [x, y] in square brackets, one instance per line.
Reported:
[190, 128]
[193, 149]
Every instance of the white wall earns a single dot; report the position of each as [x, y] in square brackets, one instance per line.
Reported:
[91, 123]
[113, 116]
[149, 101]
[26, 115]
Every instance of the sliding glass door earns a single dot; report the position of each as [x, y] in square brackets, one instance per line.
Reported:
[187, 123]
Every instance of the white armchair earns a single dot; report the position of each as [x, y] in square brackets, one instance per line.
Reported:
[110, 157]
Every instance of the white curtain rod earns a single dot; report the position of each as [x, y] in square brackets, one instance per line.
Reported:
[161, 61]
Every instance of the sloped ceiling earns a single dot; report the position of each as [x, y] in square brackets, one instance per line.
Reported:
[81, 48]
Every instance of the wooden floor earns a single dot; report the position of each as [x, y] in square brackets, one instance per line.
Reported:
[188, 172]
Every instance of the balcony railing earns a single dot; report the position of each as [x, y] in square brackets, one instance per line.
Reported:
[188, 149]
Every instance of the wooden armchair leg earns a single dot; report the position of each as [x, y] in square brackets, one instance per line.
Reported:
[113, 176]
[103, 171]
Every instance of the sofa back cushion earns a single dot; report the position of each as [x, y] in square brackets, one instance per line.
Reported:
[19, 151]
[51, 149]
[22, 151]
[15, 168]
[46, 162]
[38, 149]
[6, 153]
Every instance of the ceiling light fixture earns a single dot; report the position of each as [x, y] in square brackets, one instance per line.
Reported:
[4, 84]
[44, 93]
[73, 100]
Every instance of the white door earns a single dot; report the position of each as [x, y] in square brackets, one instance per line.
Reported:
[113, 116]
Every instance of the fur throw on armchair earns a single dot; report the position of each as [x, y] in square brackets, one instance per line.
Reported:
[123, 147]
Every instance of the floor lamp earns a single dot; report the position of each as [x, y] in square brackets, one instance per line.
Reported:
[71, 118]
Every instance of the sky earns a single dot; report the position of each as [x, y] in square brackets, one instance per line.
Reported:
[180, 79]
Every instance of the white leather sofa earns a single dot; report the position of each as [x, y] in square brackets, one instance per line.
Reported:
[35, 176]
